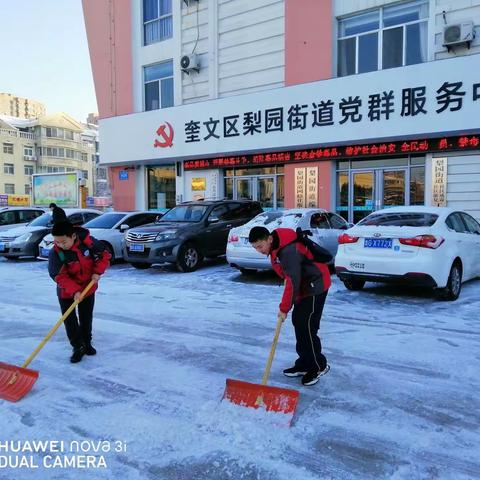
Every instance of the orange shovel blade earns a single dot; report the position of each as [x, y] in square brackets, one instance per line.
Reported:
[15, 382]
[252, 395]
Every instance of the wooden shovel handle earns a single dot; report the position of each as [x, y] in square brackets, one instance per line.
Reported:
[57, 325]
[272, 351]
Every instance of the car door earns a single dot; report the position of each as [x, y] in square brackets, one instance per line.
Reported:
[216, 231]
[322, 232]
[473, 228]
[463, 242]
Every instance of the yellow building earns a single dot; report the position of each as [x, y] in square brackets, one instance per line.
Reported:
[20, 107]
[51, 143]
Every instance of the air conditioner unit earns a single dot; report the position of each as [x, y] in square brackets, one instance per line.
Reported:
[190, 63]
[190, 2]
[458, 34]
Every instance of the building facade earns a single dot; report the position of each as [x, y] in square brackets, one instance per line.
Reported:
[48, 144]
[20, 107]
[350, 105]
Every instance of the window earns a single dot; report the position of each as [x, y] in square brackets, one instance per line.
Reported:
[9, 188]
[471, 223]
[384, 38]
[157, 20]
[8, 168]
[84, 157]
[319, 220]
[76, 218]
[8, 148]
[161, 187]
[68, 134]
[28, 151]
[28, 169]
[402, 219]
[337, 222]
[28, 189]
[158, 85]
[85, 174]
[7, 218]
[28, 215]
[87, 216]
[454, 222]
[218, 213]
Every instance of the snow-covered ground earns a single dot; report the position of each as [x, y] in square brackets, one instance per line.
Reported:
[401, 400]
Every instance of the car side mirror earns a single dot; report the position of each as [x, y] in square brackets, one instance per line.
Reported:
[124, 227]
[213, 220]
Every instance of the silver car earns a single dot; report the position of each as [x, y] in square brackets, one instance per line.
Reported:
[23, 241]
[324, 225]
[109, 228]
[11, 217]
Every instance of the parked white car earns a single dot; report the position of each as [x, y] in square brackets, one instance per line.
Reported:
[427, 246]
[109, 228]
[325, 227]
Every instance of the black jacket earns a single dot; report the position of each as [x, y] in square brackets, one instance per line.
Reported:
[58, 215]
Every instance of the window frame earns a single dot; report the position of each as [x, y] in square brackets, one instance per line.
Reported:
[9, 169]
[159, 85]
[9, 185]
[157, 19]
[379, 31]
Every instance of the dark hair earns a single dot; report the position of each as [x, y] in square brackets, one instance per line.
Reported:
[52, 205]
[258, 233]
[62, 228]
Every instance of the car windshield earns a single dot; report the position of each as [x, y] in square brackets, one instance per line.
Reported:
[399, 219]
[41, 221]
[107, 220]
[185, 213]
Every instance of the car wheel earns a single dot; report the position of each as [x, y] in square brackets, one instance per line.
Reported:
[189, 258]
[247, 271]
[354, 284]
[454, 284]
[109, 249]
[140, 266]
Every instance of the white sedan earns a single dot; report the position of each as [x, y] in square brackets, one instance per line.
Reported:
[109, 228]
[325, 227]
[427, 246]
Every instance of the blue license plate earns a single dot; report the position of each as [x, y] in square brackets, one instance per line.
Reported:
[377, 243]
[2, 247]
[44, 252]
[137, 247]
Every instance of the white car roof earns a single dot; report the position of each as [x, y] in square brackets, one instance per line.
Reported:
[295, 211]
[2, 209]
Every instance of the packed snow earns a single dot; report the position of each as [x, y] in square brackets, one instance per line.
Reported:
[400, 401]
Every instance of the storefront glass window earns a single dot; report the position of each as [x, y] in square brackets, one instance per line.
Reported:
[229, 188]
[280, 191]
[161, 187]
[342, 195]
[417, 186]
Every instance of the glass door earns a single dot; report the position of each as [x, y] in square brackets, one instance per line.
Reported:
[363, 192]
[244, 188]
[266, 191]
[393, 191]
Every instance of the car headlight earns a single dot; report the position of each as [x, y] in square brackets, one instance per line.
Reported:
[23, 238]
[167, 235]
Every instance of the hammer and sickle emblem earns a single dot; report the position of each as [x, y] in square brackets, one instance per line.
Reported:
[165, 135]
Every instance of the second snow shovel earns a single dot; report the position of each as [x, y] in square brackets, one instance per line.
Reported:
[272, 399]
[16, 382]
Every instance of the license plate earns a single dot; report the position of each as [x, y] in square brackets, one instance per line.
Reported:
[44, 252]
[2, 247]
[377, 243]
[137, 247]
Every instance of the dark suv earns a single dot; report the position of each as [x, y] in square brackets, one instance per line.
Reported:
[187, 233]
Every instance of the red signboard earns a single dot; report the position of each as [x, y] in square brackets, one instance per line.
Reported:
[369, 150]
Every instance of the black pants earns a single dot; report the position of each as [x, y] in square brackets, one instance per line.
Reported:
[79, 330]
[306, 317]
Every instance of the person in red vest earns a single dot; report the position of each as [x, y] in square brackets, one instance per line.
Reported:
[75, 260]
[306, 287]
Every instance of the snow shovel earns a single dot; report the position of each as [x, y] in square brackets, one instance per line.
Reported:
[16, 382]
[272, 399]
